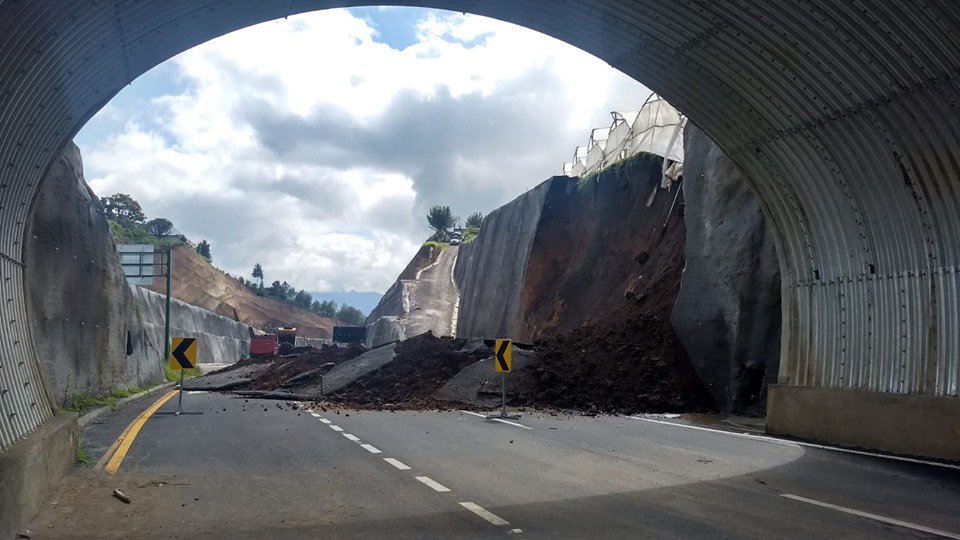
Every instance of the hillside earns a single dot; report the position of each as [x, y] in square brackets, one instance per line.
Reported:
[197, 282]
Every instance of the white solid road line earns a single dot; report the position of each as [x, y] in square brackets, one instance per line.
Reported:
[397, 463]
[497, 419]
[325, 421]
[433, 483]
[371, 448]
[353, 438]
[868, 515]
[336, 428]
[785, 442]
[484, 513]
[511, 423]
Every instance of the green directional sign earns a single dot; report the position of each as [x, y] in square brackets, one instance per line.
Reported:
[184, 353]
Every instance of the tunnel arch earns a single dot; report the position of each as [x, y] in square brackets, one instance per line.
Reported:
[843, 114]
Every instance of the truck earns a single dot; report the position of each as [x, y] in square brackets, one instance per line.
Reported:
[286, 339]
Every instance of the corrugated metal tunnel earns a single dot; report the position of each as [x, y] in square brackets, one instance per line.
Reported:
[843, 113]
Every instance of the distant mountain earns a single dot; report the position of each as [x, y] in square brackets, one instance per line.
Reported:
[364, 301]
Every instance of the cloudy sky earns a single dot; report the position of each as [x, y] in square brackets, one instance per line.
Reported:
[315, 144]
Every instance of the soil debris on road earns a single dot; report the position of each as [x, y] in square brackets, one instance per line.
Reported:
[421, 366]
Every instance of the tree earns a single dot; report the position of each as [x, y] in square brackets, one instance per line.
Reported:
[327, 308]
[123, 209]
[203, 248]
[258, 273]
[158, 226]
[275, 290]
[288, 292]
[440, 218]
[303, 299]
[350, 315]
[475, 220]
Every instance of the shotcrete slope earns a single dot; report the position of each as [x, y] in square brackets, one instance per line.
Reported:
[427, 303]
[83, 317]
[491, 270]
[727, 313]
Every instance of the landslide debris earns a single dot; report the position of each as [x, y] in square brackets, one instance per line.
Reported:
[421, 366]
[302, 368]
[628, 362]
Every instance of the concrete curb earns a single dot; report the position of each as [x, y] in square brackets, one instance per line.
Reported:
[91, 416]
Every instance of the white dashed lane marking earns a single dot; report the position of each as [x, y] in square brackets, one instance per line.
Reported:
[484, 513]
[397, 463]
[475, 508]
[437, 486]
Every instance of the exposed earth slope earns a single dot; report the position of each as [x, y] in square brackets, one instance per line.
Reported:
[198, 283]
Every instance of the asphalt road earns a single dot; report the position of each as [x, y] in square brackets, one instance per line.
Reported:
[260, 469]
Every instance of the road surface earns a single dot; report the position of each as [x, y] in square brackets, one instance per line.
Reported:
[262, 469]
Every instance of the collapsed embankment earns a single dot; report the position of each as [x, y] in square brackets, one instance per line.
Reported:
[198, 283]
[592, 270]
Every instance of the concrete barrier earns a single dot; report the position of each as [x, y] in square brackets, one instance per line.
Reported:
[221, 340]
[909, 424]
[31, 468]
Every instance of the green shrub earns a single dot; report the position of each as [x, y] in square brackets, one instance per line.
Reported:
[173, 375]
[439, 245]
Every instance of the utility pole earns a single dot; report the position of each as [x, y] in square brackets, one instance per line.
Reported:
[166, 319]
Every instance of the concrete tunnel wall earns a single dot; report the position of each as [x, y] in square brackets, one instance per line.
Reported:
[844, 116]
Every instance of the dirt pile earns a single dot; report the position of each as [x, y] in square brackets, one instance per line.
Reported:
[421, 366]
[628, 362]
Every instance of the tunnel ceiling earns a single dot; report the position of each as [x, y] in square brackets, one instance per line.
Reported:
[844, 114]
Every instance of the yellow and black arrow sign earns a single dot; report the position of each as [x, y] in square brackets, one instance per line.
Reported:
[503, 355]
[183, 353]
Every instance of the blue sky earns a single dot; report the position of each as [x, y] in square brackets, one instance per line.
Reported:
[315, 144]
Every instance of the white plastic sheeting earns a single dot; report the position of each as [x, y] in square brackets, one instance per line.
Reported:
[656, 128]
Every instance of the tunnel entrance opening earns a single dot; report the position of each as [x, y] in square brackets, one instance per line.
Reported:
[840, 115]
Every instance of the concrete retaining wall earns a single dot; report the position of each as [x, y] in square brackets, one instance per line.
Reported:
[385, 329]
[221, 340]
[908, 424]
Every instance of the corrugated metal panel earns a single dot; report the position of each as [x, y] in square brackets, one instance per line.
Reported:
[845, 115]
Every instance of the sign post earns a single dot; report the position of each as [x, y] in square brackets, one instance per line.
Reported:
[503, 364]
[183, 356]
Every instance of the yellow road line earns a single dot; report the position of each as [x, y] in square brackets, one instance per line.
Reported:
[120, 447]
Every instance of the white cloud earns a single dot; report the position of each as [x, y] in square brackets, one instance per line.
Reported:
[308, 145]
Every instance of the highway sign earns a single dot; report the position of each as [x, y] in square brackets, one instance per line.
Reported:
[183, 354]
[503, 355]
